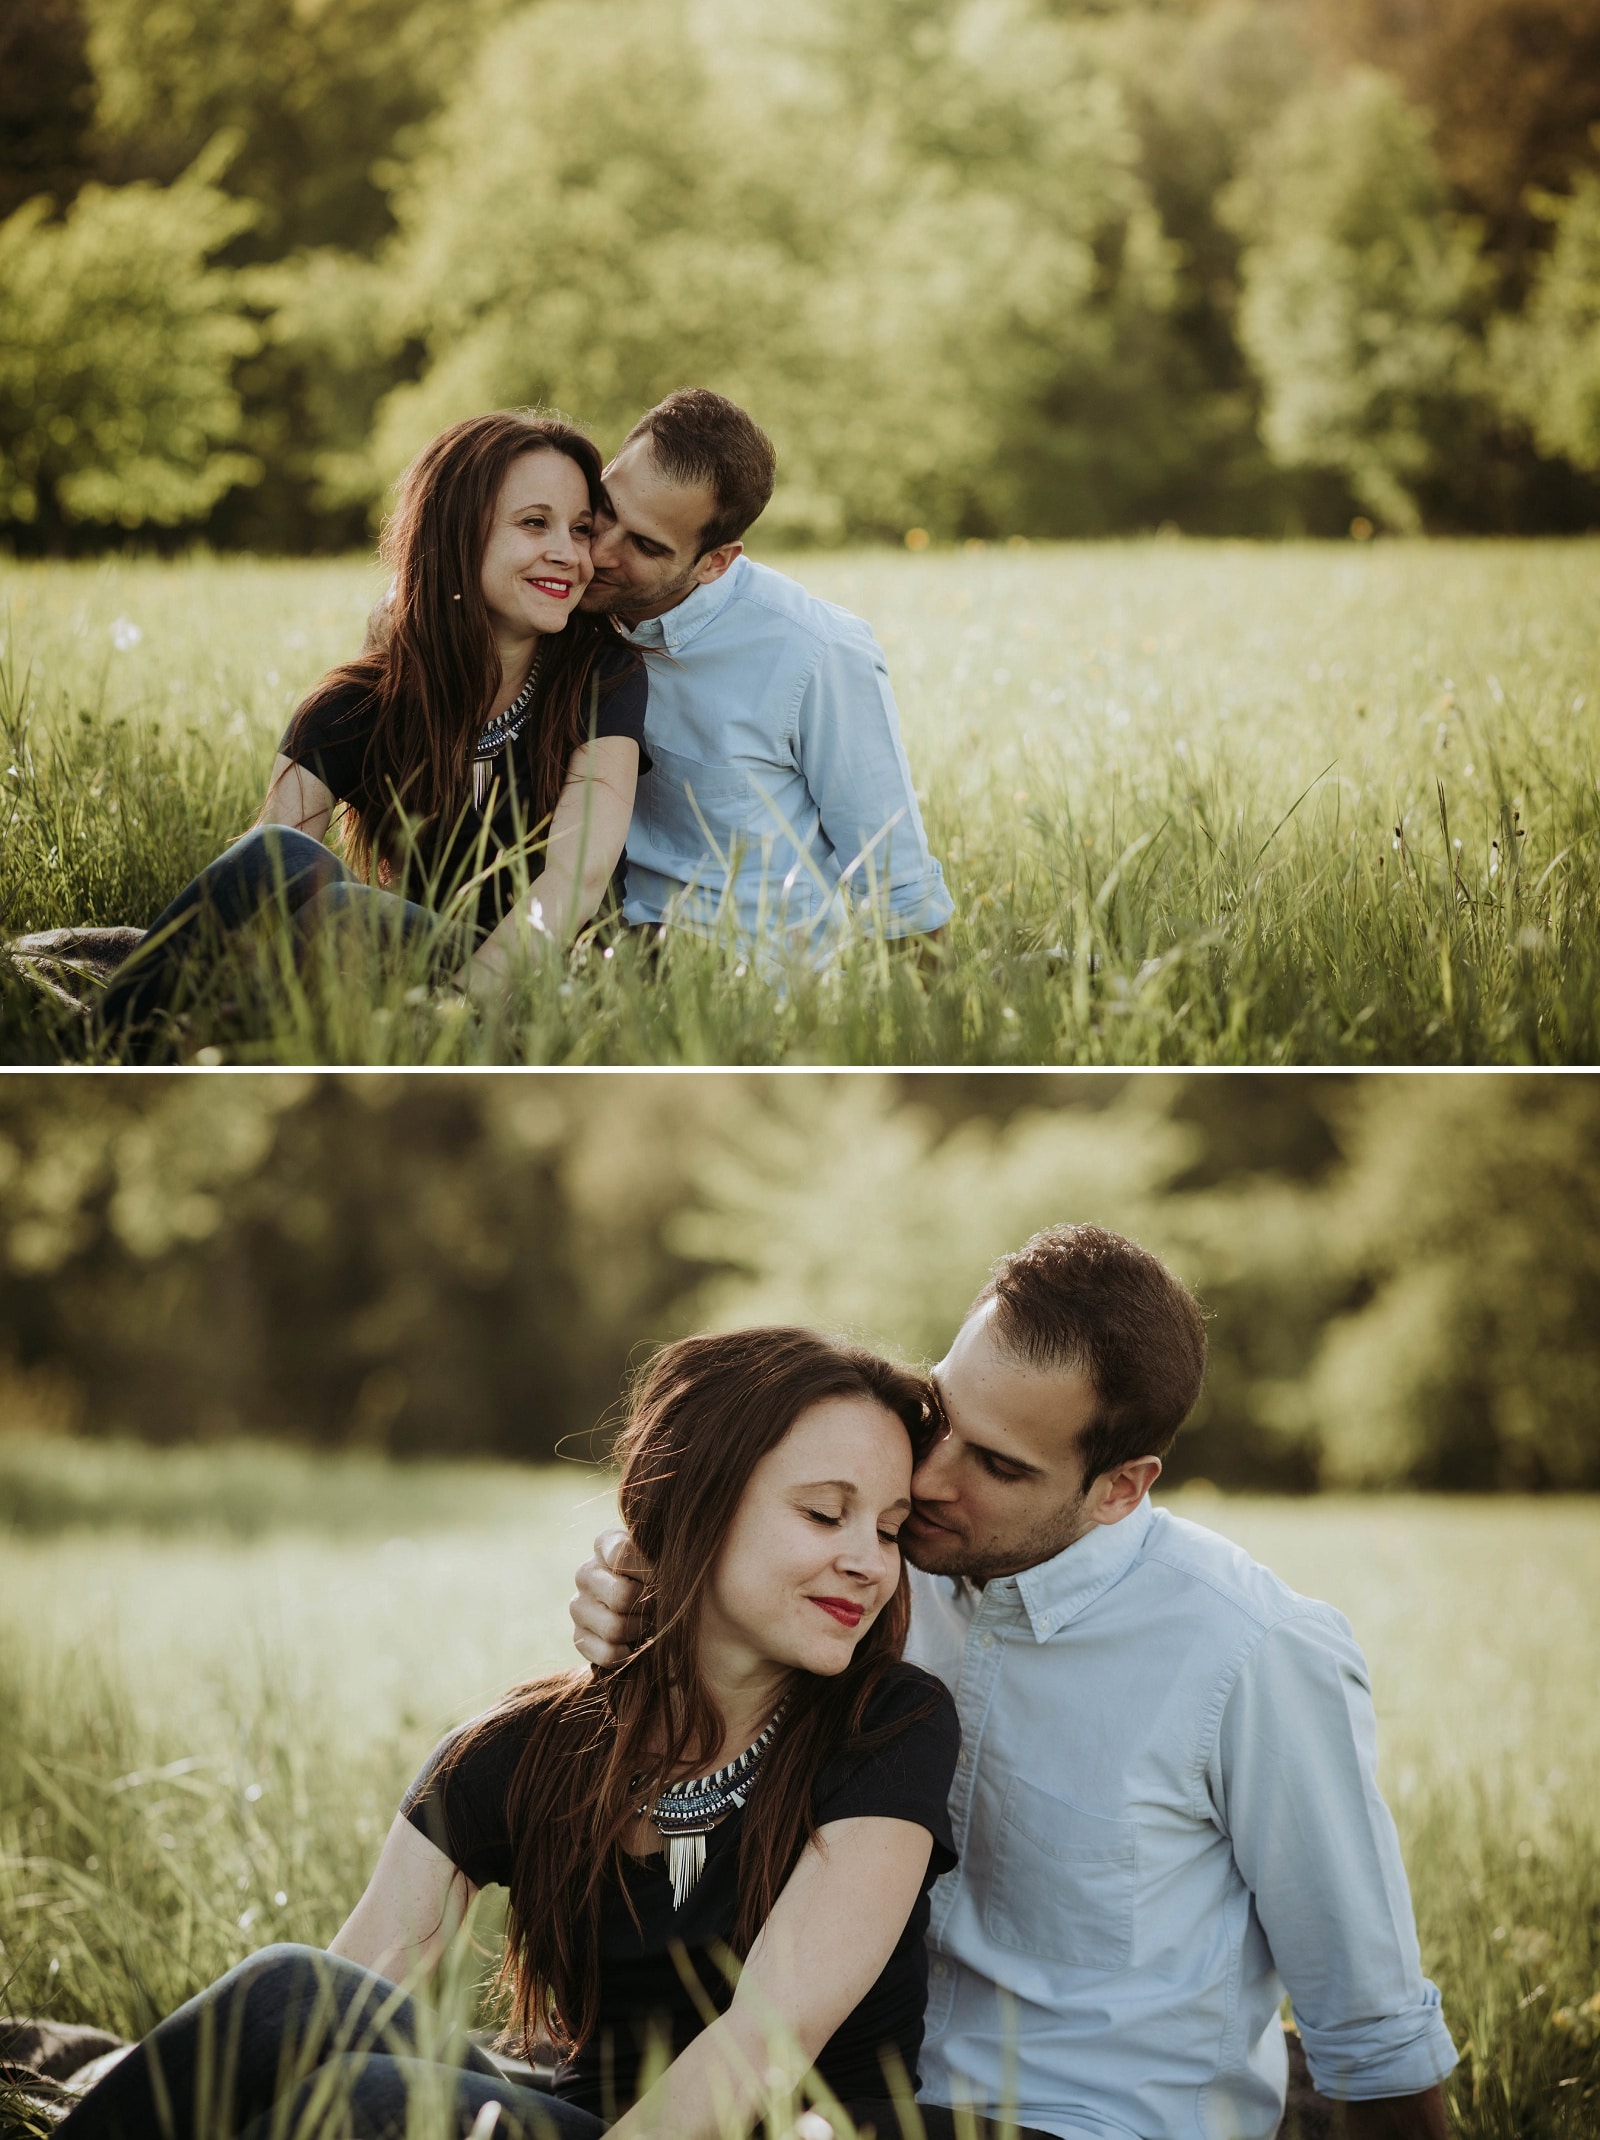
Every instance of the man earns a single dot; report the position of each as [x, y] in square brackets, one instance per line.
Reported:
[1166, 1805]
[779, 797]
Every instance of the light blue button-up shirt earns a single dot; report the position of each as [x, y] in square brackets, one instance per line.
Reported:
[779, 795]
[1167, 1813]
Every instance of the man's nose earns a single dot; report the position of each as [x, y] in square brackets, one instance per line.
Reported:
[934, 1477]
[605, 542]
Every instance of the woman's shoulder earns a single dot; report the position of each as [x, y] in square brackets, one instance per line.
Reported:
[617, 657]
[907, 1691]
[338, 702]
[329, 729]
[899, 1762]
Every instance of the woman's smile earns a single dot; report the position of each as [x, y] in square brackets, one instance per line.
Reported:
[845, 1610]
[560, 589]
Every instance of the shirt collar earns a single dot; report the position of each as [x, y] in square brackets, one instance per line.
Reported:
[1056, 1591]
[676, 627]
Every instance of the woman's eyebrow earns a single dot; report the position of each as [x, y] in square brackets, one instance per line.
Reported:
[816, 1486]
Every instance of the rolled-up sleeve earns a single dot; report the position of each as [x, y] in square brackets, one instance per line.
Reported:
[1294, 1778]
[848, 747]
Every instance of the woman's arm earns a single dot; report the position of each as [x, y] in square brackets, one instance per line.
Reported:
[820, 1952]
[587, 832]
[412, 1909]
[296, 798]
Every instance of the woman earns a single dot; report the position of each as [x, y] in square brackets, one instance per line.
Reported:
[492, 718]
[762, 1783]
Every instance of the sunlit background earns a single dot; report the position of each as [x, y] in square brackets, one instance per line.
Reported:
[985, 268]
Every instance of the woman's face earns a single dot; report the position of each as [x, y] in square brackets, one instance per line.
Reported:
[536, 564]
[811, 1558]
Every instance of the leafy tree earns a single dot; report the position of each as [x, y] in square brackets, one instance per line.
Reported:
[1360, 296]
[1469, 1217]
[918, 257]
[1512, 87]
[1549, 359]
[117, 344]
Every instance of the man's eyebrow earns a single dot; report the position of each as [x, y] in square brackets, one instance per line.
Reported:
[1014, 1463]
[1001, 1456]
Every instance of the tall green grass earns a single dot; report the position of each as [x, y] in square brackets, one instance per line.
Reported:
[1198, 803]
[206, 1722]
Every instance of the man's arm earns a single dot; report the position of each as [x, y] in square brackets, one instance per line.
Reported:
[605, 1607]
[1293, 1777]
[848, 746]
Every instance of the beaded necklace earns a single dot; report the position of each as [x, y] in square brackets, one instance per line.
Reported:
[503, 729]
[685, 1813]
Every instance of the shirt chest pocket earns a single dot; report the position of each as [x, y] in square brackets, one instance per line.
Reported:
[1063, 1881]
[694, 809]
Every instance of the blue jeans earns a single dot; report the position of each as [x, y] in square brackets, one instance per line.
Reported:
[292, 2029]
[271, 866]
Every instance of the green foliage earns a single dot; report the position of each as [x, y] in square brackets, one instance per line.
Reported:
[1401, 1273]
[117, 343]
[1549, 358]
[839, 224]
[1470, 1218]
[454, 1266]
[1359, 294]
[315, 96]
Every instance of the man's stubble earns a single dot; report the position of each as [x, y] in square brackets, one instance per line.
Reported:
[950, 1554]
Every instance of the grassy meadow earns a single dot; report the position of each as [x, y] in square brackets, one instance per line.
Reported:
[217, 1673]
[1198, 803]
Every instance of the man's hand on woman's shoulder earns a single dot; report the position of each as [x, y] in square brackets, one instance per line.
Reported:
[605, 1608]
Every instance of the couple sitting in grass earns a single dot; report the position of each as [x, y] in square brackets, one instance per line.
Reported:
[1055, 1874]
[573, 663]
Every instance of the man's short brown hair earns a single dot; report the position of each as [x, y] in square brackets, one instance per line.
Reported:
[1080, 1298]
[700, 437]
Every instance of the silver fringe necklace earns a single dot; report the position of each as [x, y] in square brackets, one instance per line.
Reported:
[503, 729]
[685, 1813]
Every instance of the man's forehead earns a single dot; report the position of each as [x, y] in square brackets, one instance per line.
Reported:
[983, 1381]
[648, 503]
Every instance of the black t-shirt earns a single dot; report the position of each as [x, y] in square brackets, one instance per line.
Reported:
[641, 1990]
[332, 744]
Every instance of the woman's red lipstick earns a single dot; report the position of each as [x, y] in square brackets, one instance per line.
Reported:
[844, 1610]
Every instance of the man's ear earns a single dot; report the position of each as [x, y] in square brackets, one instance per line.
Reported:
[1118, 1492]
[716, 562]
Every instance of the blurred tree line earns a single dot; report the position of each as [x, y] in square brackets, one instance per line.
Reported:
[984, 267]
[1403, 1273]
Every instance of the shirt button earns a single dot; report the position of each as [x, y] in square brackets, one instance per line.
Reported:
[940, 1969]
[986, 1642]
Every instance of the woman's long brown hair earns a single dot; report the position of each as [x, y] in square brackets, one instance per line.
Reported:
[431, 682]
[704, 1414]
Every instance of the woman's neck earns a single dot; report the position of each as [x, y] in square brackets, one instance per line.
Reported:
[746, 1688]
[516, 658]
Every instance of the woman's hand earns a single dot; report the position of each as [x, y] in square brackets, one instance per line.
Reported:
[587, 832]
[412, 1909]
[296, 798]
[825, 1944]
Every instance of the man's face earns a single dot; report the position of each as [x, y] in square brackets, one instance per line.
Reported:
[646, 543]
[1003, 1489]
